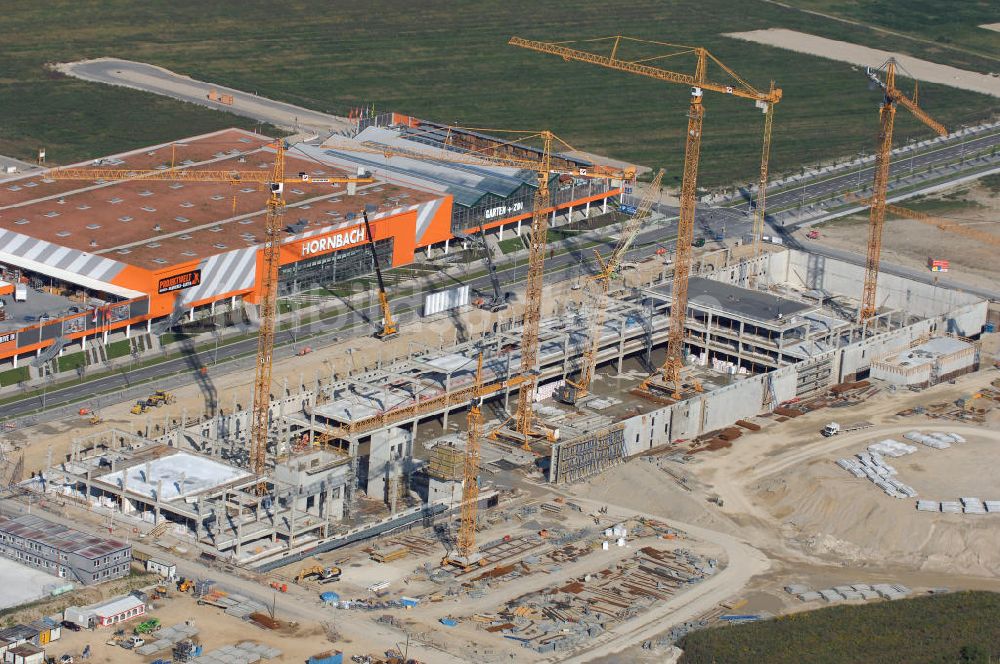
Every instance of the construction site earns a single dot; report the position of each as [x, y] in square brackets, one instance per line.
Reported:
[541, 472]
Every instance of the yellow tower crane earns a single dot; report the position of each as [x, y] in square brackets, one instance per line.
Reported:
[465, 554]
[276, 181]
[698, 83]
[507, 153]
[597, 288]
[876, 219]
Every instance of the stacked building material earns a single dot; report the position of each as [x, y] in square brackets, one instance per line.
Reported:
[167, 637]
[891, 448]
[852, 592]
[872, 465]
[973, 506]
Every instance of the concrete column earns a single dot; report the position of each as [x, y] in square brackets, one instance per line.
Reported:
[446, 242]
[156, 503]
[211, 307]
[604, 205]
[232, 302]
[128, 331]
[500, 232]
[239, 533]
[105, 336]
[83, 343]
[565, 349]
[517, 229]
[447, 410]
[149, 326]
[15, 360]
[621, 346]
[586, 210]
[191, 314]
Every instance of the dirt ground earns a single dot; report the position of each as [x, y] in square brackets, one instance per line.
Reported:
[817, 524]
[909, 242]
[863, 56]
[216, 629]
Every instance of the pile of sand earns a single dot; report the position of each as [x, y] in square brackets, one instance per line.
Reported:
[824, 512]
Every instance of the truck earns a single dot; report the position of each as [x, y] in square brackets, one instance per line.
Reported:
[832, 429]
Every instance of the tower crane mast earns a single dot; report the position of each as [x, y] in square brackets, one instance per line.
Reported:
[598, 286]
[892, 96]
[699, 83]
[501, 153]
[276, 181]
[466, 554]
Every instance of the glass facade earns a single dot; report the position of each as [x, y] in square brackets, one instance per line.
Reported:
[334, 267]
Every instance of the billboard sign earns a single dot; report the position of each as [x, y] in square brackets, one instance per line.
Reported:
[179, 281]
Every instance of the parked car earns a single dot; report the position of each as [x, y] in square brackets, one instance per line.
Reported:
[71, 626]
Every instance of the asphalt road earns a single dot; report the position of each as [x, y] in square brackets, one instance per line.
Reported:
[150, 78]
[858, 179]
[64, 401]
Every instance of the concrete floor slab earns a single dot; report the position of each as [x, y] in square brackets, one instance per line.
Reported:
[181, 475]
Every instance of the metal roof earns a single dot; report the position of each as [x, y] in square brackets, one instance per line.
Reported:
[467, 183]
[59, 537]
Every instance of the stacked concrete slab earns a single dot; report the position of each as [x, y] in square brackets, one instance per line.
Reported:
[167, 637]
[242, 653]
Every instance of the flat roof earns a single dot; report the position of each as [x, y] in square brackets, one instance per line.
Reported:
[181, 475]
[116, 606]
[744, 302]
[927, 352]
[157, 224]
[60, 537]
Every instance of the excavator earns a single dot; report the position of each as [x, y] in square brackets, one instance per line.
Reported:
[322, 574]
[389, 328]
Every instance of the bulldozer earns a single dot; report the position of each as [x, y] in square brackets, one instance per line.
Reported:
[160, 398]
[140, 407]
[184, 585]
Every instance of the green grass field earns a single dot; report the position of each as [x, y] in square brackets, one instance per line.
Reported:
[948, 629]
[450, 62]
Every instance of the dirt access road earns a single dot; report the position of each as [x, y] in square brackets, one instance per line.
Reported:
[863, 56]
[743, 562]
[150, 78]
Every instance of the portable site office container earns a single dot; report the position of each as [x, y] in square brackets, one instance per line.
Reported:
[164, 569]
